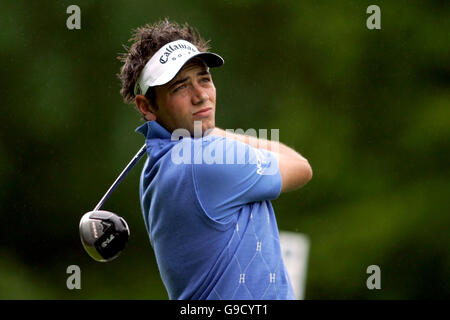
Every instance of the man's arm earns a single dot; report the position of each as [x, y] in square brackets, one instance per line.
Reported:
[294, 169]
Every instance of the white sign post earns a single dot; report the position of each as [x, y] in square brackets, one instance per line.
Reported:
[295, 250]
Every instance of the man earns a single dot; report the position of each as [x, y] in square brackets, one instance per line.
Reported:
[211, 225]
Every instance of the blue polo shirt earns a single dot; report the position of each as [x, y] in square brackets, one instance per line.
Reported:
[206, 207]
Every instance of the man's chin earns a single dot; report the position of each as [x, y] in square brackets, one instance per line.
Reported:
[202, 127]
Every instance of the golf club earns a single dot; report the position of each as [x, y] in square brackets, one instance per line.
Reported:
[103, 233]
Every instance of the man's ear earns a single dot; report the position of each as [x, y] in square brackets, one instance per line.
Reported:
[145, 107]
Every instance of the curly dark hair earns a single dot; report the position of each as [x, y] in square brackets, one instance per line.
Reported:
[146, 40]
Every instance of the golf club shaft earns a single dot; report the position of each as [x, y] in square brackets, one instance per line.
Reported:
[125, 171]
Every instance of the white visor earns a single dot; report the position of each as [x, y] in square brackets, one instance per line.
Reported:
[168, 61]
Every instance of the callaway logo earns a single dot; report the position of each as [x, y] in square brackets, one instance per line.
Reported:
[260, 162]
[163, 59]
[107, 241]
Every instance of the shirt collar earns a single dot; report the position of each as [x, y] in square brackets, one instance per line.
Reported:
[153, 130]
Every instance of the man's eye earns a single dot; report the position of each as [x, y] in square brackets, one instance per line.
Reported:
[179, 88]
[206, 79]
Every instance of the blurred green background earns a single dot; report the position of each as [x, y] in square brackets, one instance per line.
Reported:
[370, 109]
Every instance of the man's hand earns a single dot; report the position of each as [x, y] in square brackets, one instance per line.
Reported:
[294, 169]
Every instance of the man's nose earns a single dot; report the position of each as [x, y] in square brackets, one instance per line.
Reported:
[199, 94]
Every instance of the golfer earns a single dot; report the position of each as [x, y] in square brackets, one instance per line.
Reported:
[205, 193]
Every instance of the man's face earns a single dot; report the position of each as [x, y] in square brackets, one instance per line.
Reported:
[189, 97]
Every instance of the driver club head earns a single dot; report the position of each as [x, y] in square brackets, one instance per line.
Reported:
[103, 234]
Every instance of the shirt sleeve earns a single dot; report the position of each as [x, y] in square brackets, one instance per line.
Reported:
[230, 174]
